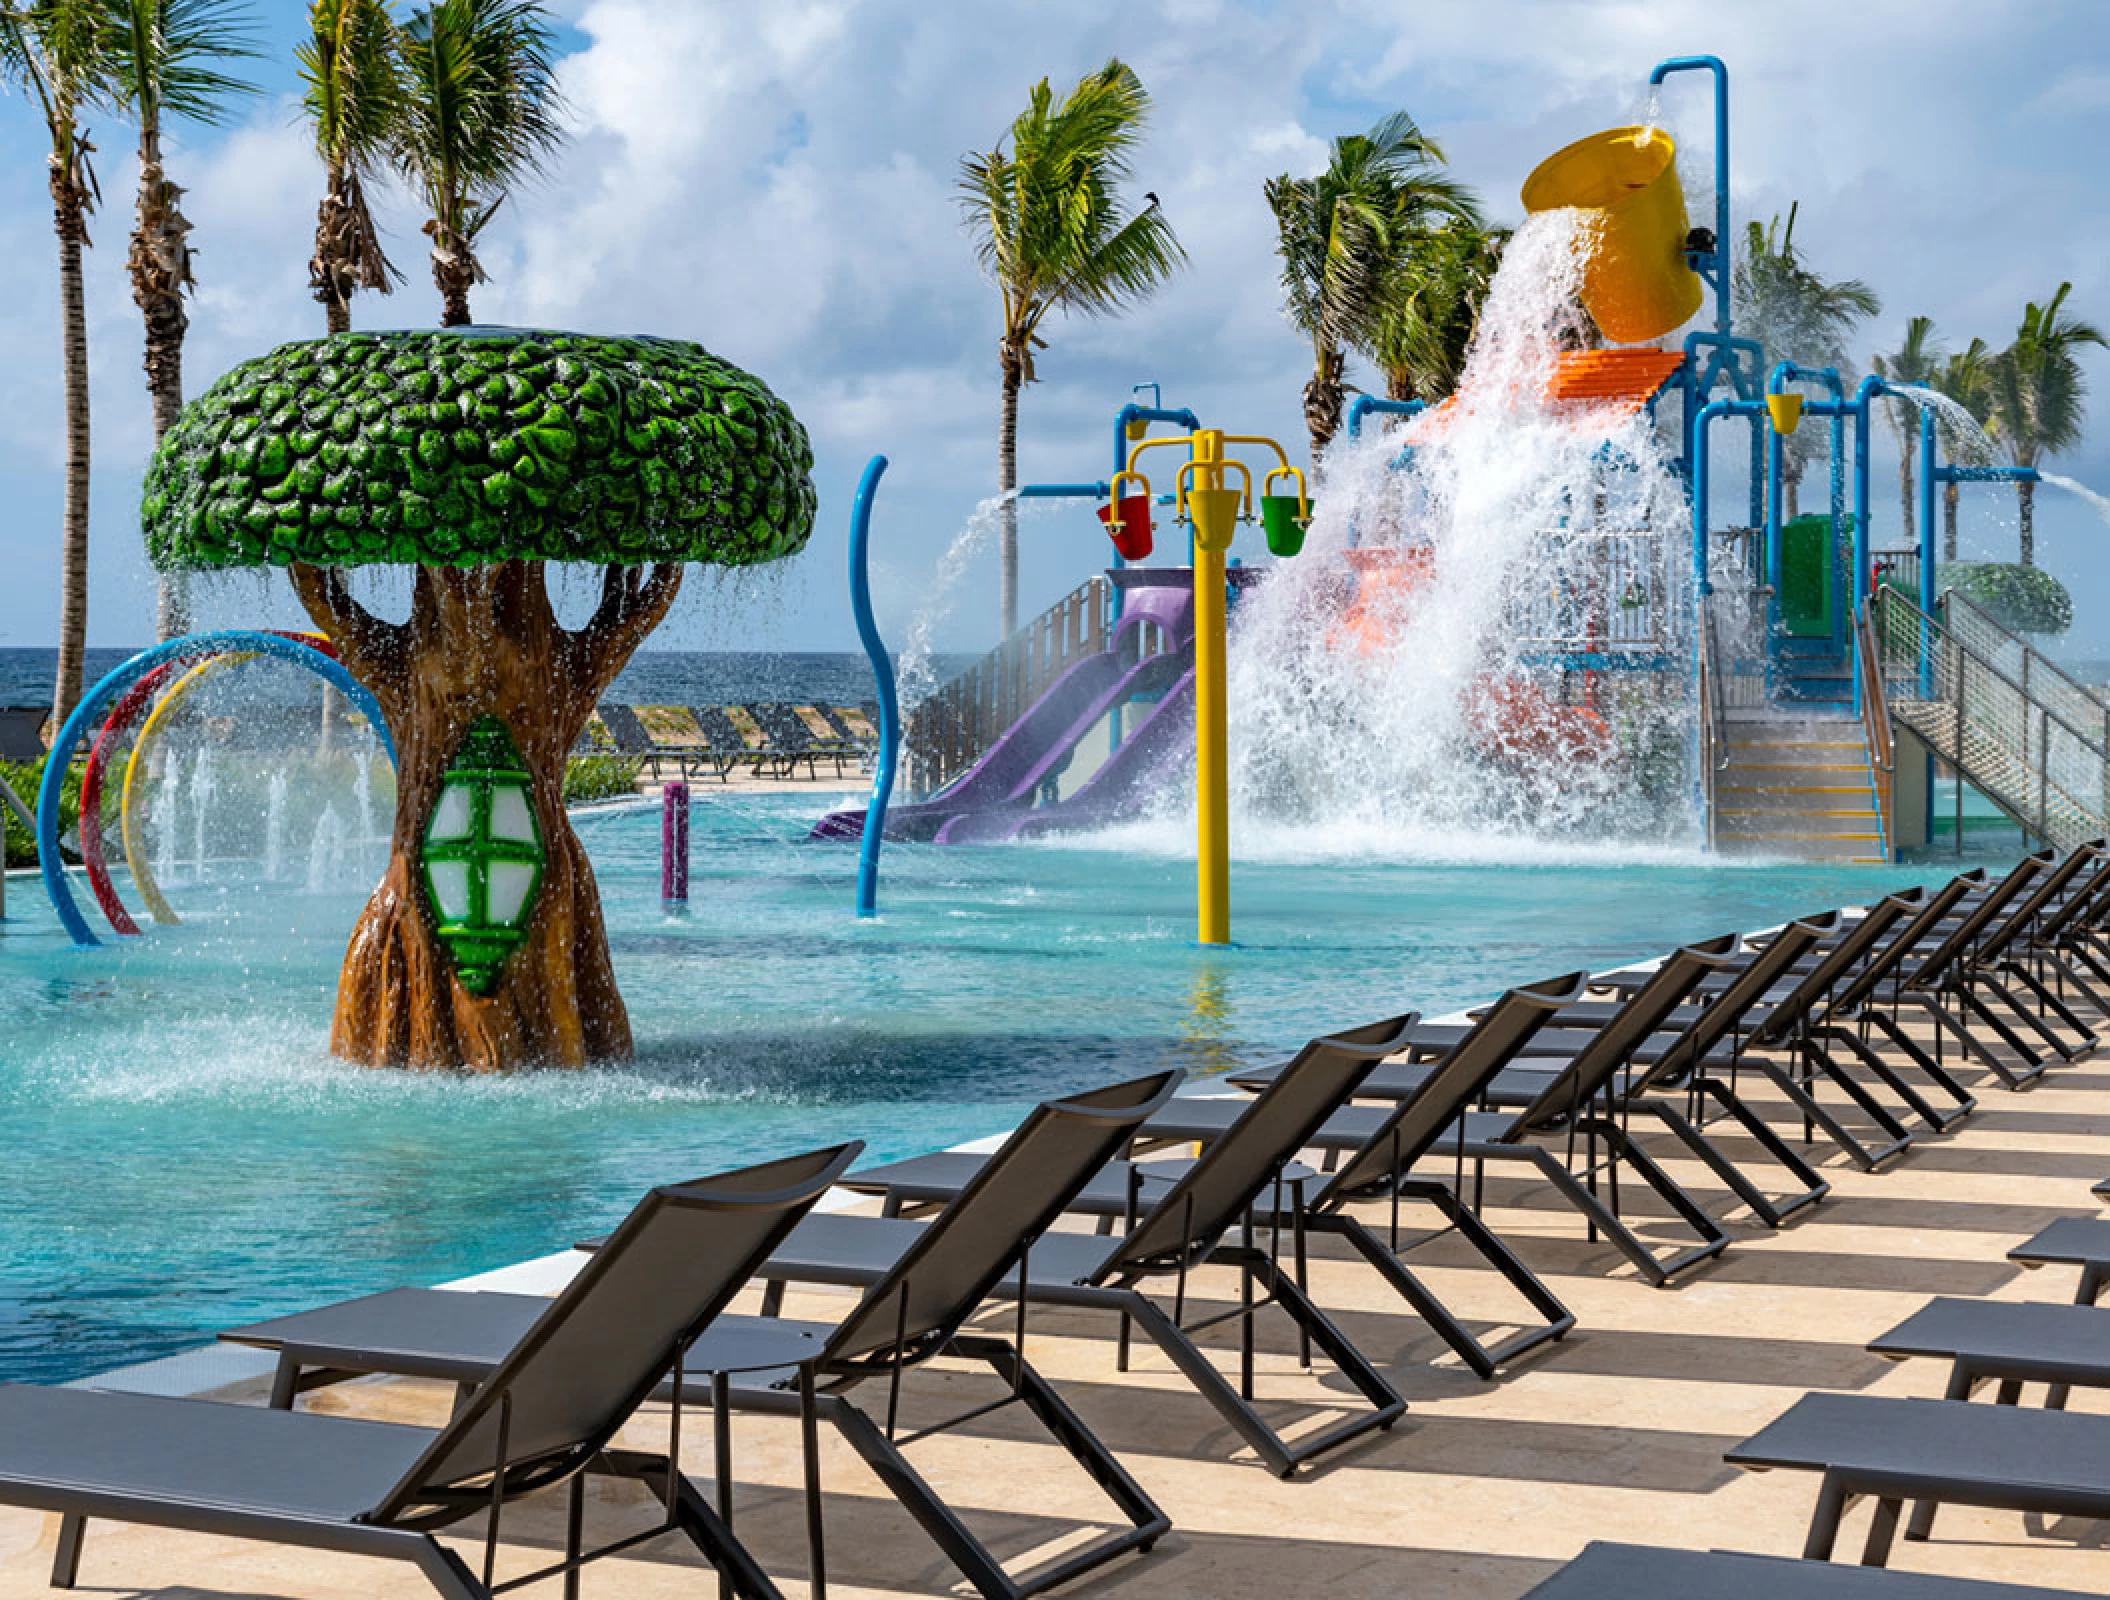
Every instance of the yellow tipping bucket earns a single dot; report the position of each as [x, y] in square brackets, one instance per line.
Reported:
[1215, 514]
[1785, 410]
[1636, 284]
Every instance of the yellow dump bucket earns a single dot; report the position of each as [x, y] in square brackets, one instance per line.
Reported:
[1636, 283]
[1785, 410]
[1215, 514]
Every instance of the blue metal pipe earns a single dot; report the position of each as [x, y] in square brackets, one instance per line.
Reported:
[1364, 404]
[1929, 444]
[1064, 491]
[1700, 480]
[1716, 264]
[1988, 475]
[883, 679]
[244, 641]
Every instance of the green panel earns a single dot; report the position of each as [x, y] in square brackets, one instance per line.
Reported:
[1809, 595]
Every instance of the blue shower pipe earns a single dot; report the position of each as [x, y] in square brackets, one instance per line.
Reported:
[1364, 405]
[889, 758]
[1709, 413]
[1712, 266]
[1933, 474]
[243, 641]
[1836, 411]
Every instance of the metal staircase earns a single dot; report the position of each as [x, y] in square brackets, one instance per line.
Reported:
[2014, 726]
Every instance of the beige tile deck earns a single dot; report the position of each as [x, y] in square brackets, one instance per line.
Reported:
[1481, 1490]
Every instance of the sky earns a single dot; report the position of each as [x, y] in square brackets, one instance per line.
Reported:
[775, 180]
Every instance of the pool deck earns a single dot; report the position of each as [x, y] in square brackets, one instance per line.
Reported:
[1481, 1490]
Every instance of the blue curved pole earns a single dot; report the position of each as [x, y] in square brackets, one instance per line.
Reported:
[1364, 405]
[1715, 266]
[883, 678]
[226, 641]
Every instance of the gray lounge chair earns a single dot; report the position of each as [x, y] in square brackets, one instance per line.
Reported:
[1644, 1572]
[843, 743]
[2083, 1242]
[725, 746]
[790, 740]
[1570, 1105]
[543, 1412]
[1378, 1171]
[1204, 1217]
[912, 1312]
[1680, 1057]
[2004, 1458]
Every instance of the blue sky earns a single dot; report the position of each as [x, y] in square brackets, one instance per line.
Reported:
[774, 180]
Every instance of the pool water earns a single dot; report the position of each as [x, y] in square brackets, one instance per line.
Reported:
[183, 1155]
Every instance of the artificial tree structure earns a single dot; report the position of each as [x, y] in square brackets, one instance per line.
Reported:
[477, 455]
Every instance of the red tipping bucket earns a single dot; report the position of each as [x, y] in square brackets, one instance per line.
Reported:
[1130, 527]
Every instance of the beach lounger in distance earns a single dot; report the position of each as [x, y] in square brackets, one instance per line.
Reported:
[544, 1414]
[1643, 1572]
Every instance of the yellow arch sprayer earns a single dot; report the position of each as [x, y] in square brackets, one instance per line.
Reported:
[1212, 509]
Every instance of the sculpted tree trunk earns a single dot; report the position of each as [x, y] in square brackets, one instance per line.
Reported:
[484, 641]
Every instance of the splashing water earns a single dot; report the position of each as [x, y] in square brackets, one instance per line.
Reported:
[1510, 540]
[915, 675]
[275, 826]
[1651, 116]
[363, 788]
[204, 785]
[2059, 480]
[1963, 436]
[327, 852]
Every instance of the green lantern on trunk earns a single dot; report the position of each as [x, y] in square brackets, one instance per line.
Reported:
[483, 854]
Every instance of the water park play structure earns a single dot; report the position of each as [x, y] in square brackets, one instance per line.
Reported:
[1786, 685]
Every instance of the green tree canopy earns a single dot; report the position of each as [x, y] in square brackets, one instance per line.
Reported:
[466, 446]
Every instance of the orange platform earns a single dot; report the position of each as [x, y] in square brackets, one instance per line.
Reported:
[1604, 387]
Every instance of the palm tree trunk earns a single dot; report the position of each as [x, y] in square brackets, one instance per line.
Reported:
[1012, 359]
[1906, 455]
[69, 219]
[160, 267]
[1399, 385]
[1950, 495]
[1790, 496]
[1322, 400]
[2026, 508]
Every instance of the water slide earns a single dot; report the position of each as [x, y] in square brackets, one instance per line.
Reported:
[1001, 787]
[1010, 773]
[1122, 788]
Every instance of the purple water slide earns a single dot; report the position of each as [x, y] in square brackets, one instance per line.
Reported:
[1154, 752]
[1010, 773]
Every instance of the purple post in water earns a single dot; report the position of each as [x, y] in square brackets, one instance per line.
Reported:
[674, 842]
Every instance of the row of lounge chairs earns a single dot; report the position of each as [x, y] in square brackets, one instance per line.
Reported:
[1554, 1077]
[781, 742]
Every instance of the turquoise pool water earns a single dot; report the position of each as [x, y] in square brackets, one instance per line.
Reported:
[182, 1155]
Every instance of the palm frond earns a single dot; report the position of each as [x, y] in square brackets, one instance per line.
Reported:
[350, 90]
[164, 56]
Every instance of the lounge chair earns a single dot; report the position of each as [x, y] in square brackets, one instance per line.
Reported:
[1203, 1217]
[843, 742]
[1680, 1058]
[1376, 1171]
[725, 746]
[543, 1411]
[1644, 1572]
[2004, 1458]
[1571, 1105]
[2083, 1242]
[790, 740]
[634, 740]
[912, 1312]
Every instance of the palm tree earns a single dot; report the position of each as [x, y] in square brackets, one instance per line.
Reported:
[352, 96]
[1915, 362]
[1426, 318]
[59, 51]
[1341, 236]
[2039, 396]
[162, 54]
[1051, 229]
[1799, 316]
[1966, 379]
[480, 113]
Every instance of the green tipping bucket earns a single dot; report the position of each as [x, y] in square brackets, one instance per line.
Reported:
[1278, 518]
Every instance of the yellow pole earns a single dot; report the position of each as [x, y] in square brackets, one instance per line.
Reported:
[1212, 786]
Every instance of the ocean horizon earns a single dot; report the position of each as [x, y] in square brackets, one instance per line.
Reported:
[653, 677]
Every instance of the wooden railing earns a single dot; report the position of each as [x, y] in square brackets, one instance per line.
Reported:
[948, 732]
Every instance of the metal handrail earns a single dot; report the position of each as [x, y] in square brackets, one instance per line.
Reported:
[2099, 743]
[2045, 663]
[1876, 729]
[1714, 742]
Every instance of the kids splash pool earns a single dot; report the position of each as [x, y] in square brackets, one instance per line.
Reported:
[184, 1155]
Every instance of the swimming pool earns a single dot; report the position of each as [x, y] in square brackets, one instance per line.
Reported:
[182, 1155]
